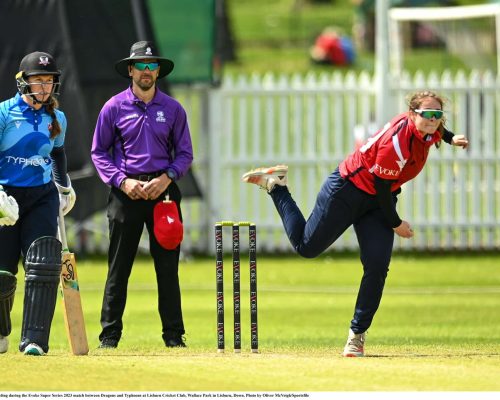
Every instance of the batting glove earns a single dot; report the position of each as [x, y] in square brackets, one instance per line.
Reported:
[9, 210]
[67, 197]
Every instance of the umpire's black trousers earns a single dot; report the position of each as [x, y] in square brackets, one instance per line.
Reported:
[126, 222]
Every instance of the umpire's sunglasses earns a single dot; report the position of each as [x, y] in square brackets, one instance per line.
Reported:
[141, 66]
[428, 114]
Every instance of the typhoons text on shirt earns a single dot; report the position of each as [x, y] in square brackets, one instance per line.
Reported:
[34, 161]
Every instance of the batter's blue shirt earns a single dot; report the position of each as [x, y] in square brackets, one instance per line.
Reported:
[25, 143]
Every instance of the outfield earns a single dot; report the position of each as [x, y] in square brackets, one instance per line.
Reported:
[438, 329]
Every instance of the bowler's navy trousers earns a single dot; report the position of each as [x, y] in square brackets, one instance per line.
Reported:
[339, 205]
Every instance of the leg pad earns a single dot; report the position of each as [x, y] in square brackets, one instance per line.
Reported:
[43, 268]
[8, 283]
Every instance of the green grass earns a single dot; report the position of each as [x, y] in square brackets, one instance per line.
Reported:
[275, 36]
[438, 328]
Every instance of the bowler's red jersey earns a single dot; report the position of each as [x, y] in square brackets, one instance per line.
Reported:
[397, 152]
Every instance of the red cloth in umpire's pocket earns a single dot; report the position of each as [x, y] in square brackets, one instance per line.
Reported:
[168, 227]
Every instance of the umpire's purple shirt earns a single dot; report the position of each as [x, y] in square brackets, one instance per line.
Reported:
[132, 138]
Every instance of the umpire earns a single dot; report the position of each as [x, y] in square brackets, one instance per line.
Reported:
[141, 146]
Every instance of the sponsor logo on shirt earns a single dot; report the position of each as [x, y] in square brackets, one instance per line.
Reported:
[18, 124]
[160, 116]
[385, 171]
[127, 117]
[27, 162]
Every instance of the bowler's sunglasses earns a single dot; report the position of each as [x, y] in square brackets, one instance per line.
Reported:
[428, 114]
[141, 66]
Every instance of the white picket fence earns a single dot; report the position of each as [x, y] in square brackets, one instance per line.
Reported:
[311, 123]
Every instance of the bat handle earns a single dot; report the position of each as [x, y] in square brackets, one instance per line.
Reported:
[62, 231]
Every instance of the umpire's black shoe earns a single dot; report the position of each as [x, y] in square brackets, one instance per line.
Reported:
[175, 342]
[108, 343]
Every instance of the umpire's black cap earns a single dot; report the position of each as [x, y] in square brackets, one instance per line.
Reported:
[144, 50]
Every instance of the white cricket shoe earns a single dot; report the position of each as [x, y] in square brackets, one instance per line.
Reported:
[33, 350]
[355, 346]
[267, 178]
[4, 344]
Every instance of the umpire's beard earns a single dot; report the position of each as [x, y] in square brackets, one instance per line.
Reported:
[145, 85]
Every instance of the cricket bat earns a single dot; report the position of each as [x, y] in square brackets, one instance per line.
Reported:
[71, 301]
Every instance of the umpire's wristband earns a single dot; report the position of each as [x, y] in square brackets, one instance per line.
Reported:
[171, 174]
[122, 183]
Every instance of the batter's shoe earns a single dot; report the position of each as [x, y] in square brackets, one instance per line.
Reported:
[355, 346]
[4, 344]
[108, 343]
[267, 178]
[33, 350]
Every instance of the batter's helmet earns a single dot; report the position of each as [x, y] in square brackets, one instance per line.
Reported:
[37, 63]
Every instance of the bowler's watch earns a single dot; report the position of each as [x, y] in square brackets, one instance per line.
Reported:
[171, 174]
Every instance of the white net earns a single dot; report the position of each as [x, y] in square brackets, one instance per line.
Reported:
[465, 37]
